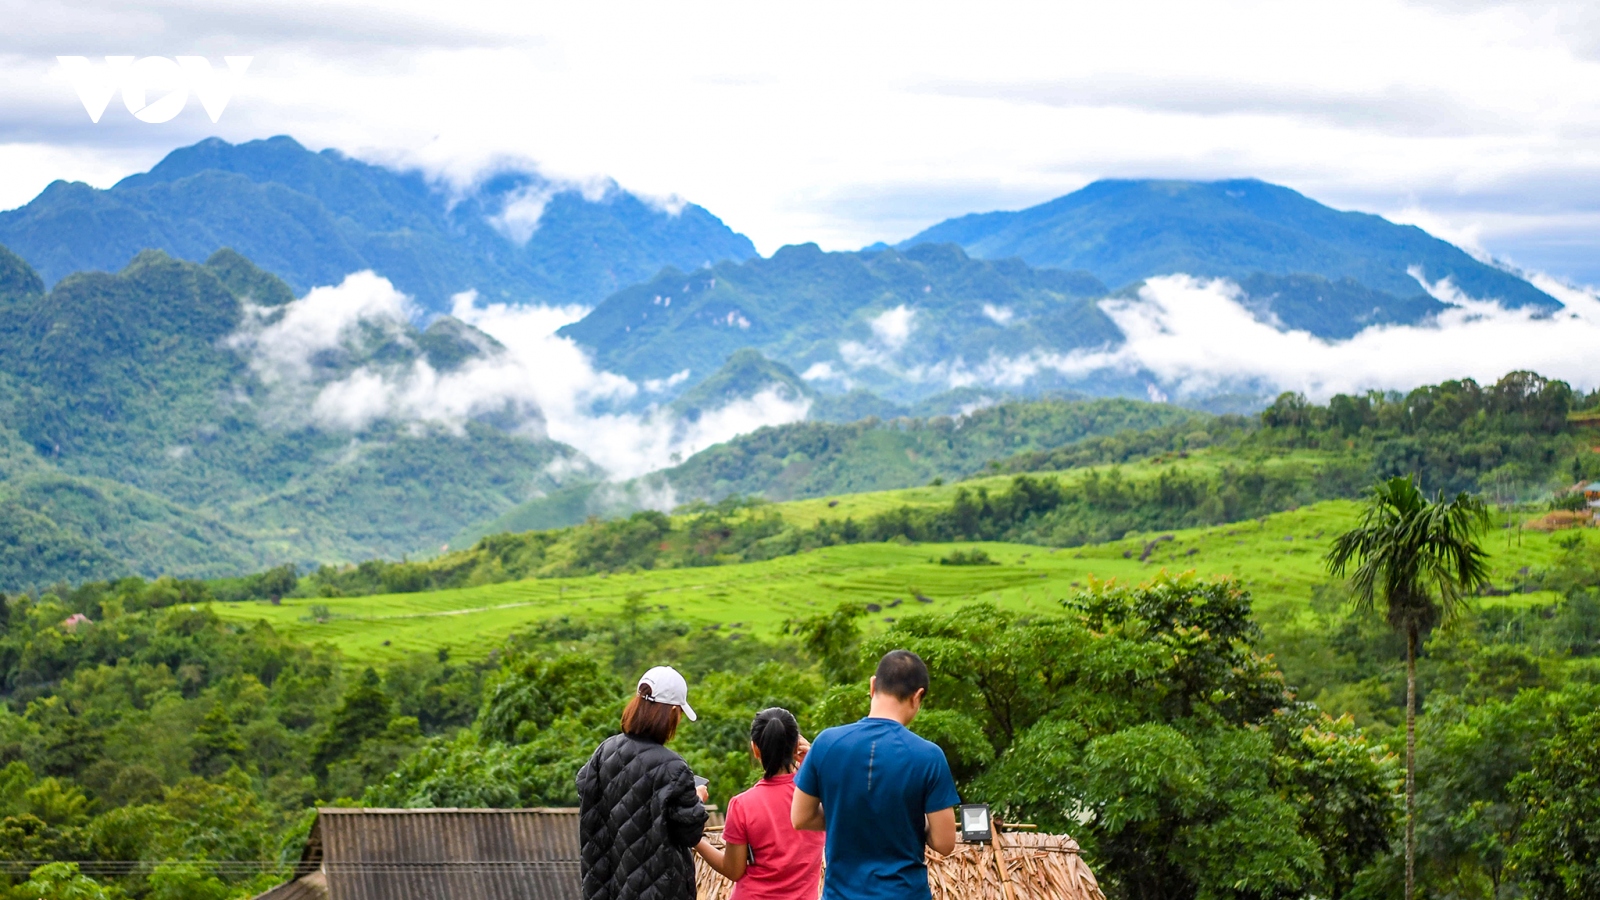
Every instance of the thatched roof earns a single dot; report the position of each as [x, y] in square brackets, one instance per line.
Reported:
[1037, 867]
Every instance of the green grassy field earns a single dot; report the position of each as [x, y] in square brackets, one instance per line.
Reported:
[1279, 558]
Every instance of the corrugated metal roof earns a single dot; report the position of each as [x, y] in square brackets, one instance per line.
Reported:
[442, 854]
[309, 887]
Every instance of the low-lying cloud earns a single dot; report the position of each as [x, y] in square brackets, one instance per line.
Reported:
[330, 359]
[1195, 337]
[314, 358]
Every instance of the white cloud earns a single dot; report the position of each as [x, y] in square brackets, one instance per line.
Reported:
[1000, 315]
[821, 371]
[545, 381]
[519, 218]
[892, 327]
[1196, 337]
[285, 344]
[657, 385]
[1196, 334]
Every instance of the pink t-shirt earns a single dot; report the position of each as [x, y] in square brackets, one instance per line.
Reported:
[787, 862]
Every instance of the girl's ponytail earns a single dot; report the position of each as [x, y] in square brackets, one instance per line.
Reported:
[777, 735]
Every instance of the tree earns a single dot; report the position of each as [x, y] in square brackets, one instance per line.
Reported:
[1557, 854]
[361, 714]
[832, 638]
[63, 881]
[1419, 558]
[1146, 724]
[217, 744]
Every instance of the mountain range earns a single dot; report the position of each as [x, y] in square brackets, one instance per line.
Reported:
[881, 319]
[981, 299]
[313, 218]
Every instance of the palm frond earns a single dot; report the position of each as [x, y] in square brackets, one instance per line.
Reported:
[1420, 558]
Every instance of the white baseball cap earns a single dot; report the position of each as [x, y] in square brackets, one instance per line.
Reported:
[667, 686]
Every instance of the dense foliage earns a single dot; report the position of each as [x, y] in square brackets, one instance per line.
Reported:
[1145, 721]
[138, 727]
[1149, 722]
[1509, 440]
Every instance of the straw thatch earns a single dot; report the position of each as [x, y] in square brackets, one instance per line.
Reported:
[1037, 867]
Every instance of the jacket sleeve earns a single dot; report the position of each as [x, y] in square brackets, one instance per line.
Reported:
[589, 780]
[684, 815]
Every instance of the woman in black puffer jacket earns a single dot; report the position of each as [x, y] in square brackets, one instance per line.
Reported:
[640, 809]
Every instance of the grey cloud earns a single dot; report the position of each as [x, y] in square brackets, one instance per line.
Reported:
[169, 27]
[1577, 21]
[1397, 110]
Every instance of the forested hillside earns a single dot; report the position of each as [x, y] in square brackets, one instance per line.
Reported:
[818, 458]
[136, 438]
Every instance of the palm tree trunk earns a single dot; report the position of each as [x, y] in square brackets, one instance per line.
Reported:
[1411, 761]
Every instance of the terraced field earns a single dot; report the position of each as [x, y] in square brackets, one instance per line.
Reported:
[1279, 558]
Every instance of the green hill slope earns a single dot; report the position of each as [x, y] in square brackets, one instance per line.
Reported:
[1279, 558]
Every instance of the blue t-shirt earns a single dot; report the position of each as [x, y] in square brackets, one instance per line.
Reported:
[876, 781]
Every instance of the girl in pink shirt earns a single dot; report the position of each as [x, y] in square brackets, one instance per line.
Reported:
[762, 854]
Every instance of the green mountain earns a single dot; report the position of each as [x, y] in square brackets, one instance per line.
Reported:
[746, 374]
[896, 322]
[1125, 231]
[314, 218]
[819, 458]
[137, 435]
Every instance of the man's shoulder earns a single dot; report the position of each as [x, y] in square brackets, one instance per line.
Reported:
[836, 734]
[920, 748]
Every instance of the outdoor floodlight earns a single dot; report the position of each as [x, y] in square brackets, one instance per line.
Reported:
[974, 822]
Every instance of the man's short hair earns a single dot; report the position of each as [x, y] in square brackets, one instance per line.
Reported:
[901, 674]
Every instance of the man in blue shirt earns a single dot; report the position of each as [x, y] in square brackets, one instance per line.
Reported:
[880, 792]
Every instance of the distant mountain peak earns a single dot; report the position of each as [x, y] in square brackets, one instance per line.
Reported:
[1125, 230]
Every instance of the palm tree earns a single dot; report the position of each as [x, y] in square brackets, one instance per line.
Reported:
[1420, 558]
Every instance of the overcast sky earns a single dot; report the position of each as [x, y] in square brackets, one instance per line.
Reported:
[847, 123]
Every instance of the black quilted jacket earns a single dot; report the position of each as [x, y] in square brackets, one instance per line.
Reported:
[639, 818]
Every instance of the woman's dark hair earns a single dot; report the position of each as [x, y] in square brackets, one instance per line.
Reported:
[648, 720]
[776, 734]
